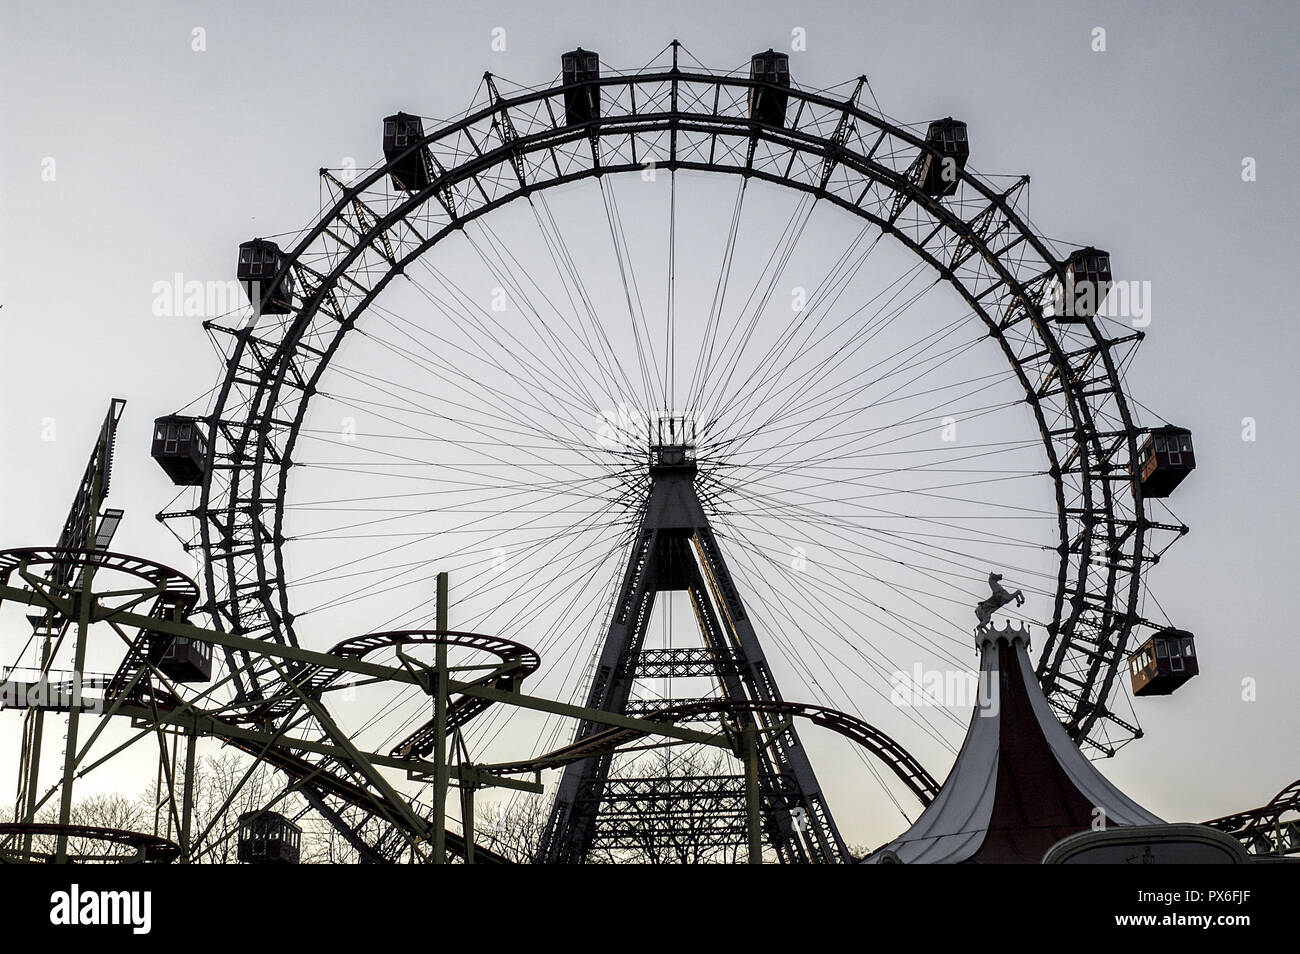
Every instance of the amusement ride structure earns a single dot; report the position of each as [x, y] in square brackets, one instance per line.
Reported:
[601, 468]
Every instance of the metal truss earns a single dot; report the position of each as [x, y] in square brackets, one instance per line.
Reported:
[695, 814]
[511, 146]
[675, 549]
[1264, 831]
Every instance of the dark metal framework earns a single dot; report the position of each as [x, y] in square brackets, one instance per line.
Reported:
[896, 758]
[1272, 829]
[119, 845]
[829, 147]
[675, 549]
[335, 781]
[517, 661]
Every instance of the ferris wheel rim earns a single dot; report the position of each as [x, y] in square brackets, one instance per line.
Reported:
[1060, 634]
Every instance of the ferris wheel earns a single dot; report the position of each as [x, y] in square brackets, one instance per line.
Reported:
[712, 392]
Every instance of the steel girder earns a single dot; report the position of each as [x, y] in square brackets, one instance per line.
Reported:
[675, 549]
[690, 120]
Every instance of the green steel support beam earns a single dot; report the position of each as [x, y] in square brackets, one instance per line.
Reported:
[187, 808]
[261, 647]
[753, 811]
[364, 764]
[440, 680]
[86, 599]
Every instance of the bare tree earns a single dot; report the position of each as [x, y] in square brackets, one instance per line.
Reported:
[226, 786]
[109, 810]
[661, 833]
[513, 829]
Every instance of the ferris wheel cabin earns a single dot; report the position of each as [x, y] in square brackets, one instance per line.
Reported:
[268, 838]
[767, 103]
[1163, 663]
[581, 104]
[181, 659]
[1087, 282]
[407, 166]
[1166, 458]
[180, 449]
[937, 167]
[259, 262]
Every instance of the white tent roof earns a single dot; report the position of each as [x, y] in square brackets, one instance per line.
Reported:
[1019, 784]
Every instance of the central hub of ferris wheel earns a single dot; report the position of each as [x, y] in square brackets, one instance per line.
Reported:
[675, 550]
[672, 446]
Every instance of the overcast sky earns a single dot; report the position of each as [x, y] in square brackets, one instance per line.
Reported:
[126, 156]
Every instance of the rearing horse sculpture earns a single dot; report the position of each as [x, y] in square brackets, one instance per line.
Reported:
[1000, 598]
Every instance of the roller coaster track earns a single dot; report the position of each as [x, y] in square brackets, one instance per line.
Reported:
[908, 770]
[1262, 830]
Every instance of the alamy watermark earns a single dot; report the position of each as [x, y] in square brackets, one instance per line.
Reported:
[76, 906]
[946, 688]
[62, 690]
[1123, 300]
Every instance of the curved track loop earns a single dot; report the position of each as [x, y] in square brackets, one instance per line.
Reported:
[517, 662]
[899, 761]
[831, 148]
[172, 584]
[1258, 827]
[150, 849]
[166, 593]
[312, 777]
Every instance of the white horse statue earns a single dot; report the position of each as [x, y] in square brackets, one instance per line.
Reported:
[1000, 598]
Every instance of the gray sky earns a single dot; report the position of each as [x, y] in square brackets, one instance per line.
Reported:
[165, 158]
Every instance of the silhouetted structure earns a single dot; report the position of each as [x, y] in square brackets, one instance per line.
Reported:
[1166, 458]
[1163, 663]
[268, 838]
[767, 105]
[581, 103]
[259, 262]
[180, 449]
[407, 167]
[1019, 784]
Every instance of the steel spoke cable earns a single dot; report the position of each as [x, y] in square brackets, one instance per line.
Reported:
[837, 277]
[580, 449]
[600, 593]
[566, 265]
[812, 398]
[874, 324]
[389, 550]
[734, 350]
[395, 582]
[670, 338]
[453, 375]
[491, 337]
[840, 415]
[845, 591]
[865, 443]
[636, 317]
[484, 732]
[510, 265]
[494, 338]
[986, 383]
[722, 280]
[512, 438]
[746, 554]
[514, 419]
[778, 259]
[964, 571]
